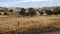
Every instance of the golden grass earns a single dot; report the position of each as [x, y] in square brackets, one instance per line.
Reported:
[30, 24]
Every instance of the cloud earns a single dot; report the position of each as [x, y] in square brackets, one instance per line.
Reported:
[23, 1]
[20, 1]
[37, 0]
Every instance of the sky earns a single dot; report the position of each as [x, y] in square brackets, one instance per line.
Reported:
[29, 3]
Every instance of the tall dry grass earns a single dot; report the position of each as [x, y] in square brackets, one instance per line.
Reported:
[30, 24]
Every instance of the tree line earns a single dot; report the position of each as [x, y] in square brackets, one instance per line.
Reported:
[31, 11]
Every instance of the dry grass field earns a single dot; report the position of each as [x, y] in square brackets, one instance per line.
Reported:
[29, 24]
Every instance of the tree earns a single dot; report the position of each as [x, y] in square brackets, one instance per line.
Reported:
[41, 12]
[5, 13]
[31, 12]
[59, 11]
[48, 12]
[11, 10]
[22, 12]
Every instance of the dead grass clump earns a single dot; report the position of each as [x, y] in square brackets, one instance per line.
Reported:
[56, 25]
[33, 27]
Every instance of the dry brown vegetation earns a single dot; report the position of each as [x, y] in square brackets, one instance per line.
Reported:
[21, 20]
[29, 24]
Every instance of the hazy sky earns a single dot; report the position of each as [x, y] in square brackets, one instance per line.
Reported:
[29, 3]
